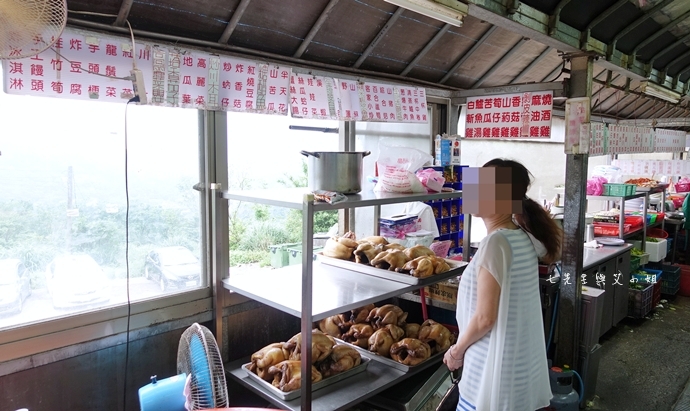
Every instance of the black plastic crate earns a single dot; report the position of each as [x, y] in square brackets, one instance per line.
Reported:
[670, 281]
[640, 301]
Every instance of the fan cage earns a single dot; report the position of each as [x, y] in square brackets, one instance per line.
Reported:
[198, 355]
[28, 27]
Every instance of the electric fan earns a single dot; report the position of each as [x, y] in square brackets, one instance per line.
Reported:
[199, 357]
[27, 27]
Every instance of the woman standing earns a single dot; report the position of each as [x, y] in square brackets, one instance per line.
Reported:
[501, 342]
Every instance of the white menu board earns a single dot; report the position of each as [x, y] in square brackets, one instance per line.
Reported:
[349, 106]
[629, 139]
[378, 102]
[238, 84]
[309, 96]
[524, 115]
[65, 72]
[193, 71]
[597, 142]
[413, 107]
[669, 141]
[277, 98]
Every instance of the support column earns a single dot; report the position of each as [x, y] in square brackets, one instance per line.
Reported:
[567, 350]
[346, 142]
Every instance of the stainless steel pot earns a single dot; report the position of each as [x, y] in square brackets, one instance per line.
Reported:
[339, 171]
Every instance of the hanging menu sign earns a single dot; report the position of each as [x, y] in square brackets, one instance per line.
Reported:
[349, 106]
[597, 142]
[524, 115]
[413, 107]
[277, 80]
[193, 77]
[310, 97]
[64, 71]
[378, 102]
[669, 141]
[238, 84]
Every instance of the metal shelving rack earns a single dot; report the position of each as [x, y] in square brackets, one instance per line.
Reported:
[327, 290]
[621, 219]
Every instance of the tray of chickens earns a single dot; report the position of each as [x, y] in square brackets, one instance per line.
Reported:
[382, 334]
[277, 367]
[375, 256]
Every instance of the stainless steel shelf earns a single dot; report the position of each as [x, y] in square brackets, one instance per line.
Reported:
[294, 197]
[334, 291]
[639, 230]
[339, 396]
[618, 198]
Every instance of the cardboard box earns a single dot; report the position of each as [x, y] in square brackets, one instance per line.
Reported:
[446, 291]
[455, 152]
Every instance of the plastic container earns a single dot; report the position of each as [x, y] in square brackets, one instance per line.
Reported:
[656, 233]
[279, 254]
[682, 187]
[619, 190]
[684, 289]
[295, 254]
[610, 229]
[640, 301]
[634, 263]
[670, 282]
[652, 276]
[656, 250]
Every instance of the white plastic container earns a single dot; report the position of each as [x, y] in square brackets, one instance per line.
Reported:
[657, 251]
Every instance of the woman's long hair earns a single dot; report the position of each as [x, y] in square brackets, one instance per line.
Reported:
[533, 219]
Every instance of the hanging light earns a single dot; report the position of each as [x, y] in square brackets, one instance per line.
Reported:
[435, 10]
[658, 91]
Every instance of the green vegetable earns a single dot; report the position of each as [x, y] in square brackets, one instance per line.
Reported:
[652, 240]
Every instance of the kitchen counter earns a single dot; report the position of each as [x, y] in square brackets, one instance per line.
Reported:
[595, 256]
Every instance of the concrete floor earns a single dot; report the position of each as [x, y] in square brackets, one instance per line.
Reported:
[645, 364]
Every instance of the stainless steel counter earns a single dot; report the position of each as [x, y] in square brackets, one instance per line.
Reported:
[595, 256]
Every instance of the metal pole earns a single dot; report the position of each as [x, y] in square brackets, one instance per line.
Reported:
[567, 350]
[307, 275]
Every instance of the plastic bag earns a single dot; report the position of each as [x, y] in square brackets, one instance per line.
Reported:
[431, 179]
[397, 165]
[595, 186]
[425, 216]
[612, 174]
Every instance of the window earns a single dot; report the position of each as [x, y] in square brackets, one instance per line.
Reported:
[264, 153]
[63, 203]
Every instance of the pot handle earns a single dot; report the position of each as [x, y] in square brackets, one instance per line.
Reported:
[309, 153]
[366, 153]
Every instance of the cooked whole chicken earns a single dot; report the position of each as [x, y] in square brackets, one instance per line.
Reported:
[381, 341]
[287, 375]
[340, 247]
[390, 260]
[387, 314]
[436, 335]
[420, 267]
[335, 325]
[393, 246]
[321, 346]
[440, 265]
[359, 334]
[418, 251]
[412, 330]
[375, 239]
[342, 358]
[410, 351]
[366, 252]
[359, 315]
[271, 354]
[396, 332]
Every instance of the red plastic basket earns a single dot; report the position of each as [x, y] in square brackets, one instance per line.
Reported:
[656, 233]
[682, 187]
[610, 229]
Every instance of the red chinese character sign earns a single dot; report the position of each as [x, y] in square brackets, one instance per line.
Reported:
[524, 115]
[239, 81]
[378, 102]
[669, 141]
[277, 83]
[413, 107]
[310, 97]
[81, 66]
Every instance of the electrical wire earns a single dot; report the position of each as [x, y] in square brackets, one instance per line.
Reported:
[129, 302]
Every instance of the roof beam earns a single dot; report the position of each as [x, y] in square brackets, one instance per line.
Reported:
[426, 49]
[672, 108]
[668, 48]
[232, 24]
[617, 104]
[378, 37]
[676, 60]
[468, 54]
[315, 28]
[657, 111]
[615, 91]
[643, 105]
[558, 68]
[637, 22]
[556, 16]
[531, 65]
[602, 88]
[586, 33]
[122, 15]
[654, 106]
[500, 62]
[656, 35]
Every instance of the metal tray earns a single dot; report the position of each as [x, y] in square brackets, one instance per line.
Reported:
[291, 395]
[456, 269]
[389, 361]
